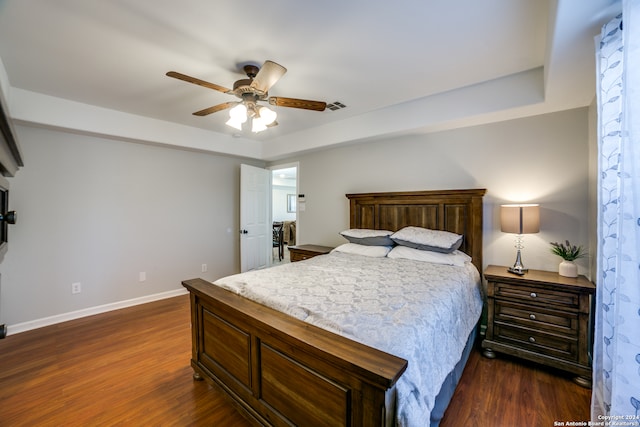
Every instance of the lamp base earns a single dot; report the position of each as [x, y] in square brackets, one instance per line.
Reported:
[518, 271]
[518, 268]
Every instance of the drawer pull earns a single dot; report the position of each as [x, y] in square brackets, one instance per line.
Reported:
[532, 316]
[532, 339]
[534, 295]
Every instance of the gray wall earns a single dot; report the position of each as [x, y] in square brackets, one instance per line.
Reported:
[542, 159]
[100, 211]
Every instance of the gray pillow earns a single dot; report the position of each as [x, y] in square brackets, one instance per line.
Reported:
[368, 237]
[428, 240]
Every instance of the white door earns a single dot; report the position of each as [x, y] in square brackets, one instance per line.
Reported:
[256, 230]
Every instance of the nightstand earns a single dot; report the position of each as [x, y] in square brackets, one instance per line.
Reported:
[542, 317]
[302, 252]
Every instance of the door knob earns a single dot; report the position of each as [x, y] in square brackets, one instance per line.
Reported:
[9, 217]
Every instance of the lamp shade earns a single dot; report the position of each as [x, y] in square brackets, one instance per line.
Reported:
[239, 113]
[520, 219]
[268, 116]
[235, 122]
[257, 125]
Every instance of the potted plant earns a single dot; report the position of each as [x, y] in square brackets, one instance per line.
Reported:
[569, 253]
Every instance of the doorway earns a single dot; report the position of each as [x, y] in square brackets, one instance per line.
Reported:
[284, 195]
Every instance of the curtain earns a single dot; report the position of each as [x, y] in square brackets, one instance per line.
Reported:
[616, 350]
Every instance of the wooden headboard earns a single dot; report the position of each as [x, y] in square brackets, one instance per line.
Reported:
[458, 211]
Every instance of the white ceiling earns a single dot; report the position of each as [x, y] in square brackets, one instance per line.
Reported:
[401, 67]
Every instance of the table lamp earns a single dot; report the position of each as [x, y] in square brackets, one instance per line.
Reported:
[519, 219]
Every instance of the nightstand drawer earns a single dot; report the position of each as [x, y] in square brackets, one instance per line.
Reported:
[547, 344]
[537, 295]
[555, 321]
[299, 256]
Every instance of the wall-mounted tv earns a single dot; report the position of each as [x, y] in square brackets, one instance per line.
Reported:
[10, 156]
[6, 217]
[10, 162]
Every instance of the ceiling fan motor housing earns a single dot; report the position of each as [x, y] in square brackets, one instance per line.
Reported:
[251, 70]
[242, 87]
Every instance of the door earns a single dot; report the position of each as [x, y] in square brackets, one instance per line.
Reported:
[256, 233]
[284, 195]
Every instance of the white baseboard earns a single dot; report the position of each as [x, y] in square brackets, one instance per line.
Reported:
[59, 318]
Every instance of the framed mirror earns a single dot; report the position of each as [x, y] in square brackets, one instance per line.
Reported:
[291, 202]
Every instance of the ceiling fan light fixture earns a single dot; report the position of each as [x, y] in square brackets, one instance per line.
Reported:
[267, 115]
[236, 123]
[237, 116]
[239, 112]
[258, 125]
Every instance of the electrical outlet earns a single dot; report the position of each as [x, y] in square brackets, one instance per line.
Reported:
[204, 268]
[142, 276]
[76, 288]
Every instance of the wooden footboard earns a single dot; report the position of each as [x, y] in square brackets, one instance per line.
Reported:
[282, 371]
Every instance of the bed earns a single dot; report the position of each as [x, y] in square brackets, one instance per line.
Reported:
[281, 369]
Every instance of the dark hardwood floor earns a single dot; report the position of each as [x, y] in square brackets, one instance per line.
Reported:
[509, 392]
[131, 368]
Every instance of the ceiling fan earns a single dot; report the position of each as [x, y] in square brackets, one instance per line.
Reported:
[251, 91]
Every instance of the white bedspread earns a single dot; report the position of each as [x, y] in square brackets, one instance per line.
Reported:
[419, 311]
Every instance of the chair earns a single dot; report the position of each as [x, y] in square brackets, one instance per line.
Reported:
[278, 240]
[289, 233]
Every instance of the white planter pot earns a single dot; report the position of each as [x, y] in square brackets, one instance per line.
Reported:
[568, 269]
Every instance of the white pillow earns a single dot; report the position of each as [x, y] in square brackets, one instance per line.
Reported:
[366, 250]
[458, 258]
[367, 236]
[427, 239]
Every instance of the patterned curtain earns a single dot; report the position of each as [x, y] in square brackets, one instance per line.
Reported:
[616, 364]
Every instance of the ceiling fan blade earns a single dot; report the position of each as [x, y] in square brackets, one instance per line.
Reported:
[268, 75]
[297, 103]
[215, 108]
[193, 80]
